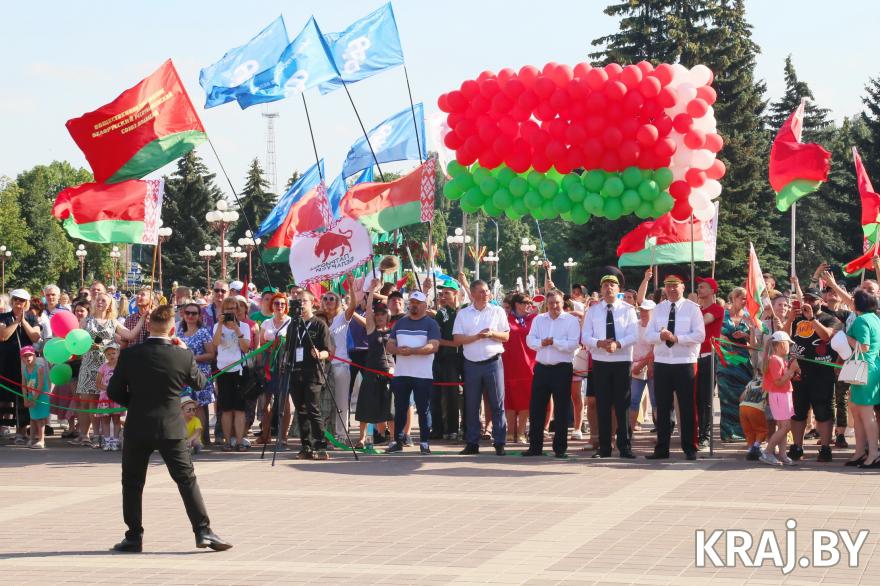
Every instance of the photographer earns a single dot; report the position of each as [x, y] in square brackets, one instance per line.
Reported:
[232, 339]
[308, 375]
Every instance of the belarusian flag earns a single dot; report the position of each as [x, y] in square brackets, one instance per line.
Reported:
[667, 241]
[307, 214]
[119, 212]
[384, 207]
[870, 199]
[144, 128]
[756, 288]
[796, 169]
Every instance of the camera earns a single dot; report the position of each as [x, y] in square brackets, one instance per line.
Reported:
[295, 309]
[228, 317]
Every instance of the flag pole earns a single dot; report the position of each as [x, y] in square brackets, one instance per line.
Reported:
[793, 232]
[412, 109]
[312, 135]
[363, 129]
[692, 251]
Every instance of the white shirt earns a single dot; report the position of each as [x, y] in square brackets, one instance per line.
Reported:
[470, 321]
[229, 350]
[689, 329]
[339, 333]
[625, 331]
[271, 331]
[566, 334]
[641, 349]
[578, 306]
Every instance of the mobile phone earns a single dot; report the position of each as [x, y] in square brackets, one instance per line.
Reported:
[796, 304]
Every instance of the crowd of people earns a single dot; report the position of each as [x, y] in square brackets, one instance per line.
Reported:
[526, 369]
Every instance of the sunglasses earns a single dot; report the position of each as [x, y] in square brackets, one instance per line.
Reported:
[219, 290]
[193, 313]
[279, 304]
[328, 298]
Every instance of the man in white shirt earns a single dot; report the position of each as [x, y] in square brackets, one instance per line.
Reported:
[610, 331]
[482, 329]
[554, 336]
[676, 330]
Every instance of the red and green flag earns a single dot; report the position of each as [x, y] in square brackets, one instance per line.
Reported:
[308, 213]
[384, 207]
[144, 128]
[796, 169]
[118, 212]
[870, 218]
[727, 357]
[668, 241]
[756, 288]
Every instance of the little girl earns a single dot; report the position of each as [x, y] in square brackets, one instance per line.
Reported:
[193, 424]
[36, 387]
[108, 423]
[777, 383]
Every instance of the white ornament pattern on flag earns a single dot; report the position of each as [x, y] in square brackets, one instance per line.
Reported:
[152, 210]
[323, 202]
[426, 194]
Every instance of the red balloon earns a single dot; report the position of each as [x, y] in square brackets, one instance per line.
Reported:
[695, 177]
[714, 142]
[596, 102]
[466, 127]
[682, 123]
[519, 159]
[717, 170]
[502, 145]
[613, 70]
[559, 99]
[595, 125]
[697, 107]
[633, 103]
[582, 69]
[628, 128]
[614, 113]
[695, 139]
[576, 133]
[549, 67]
[577, 89]
[667, 97]
[520, 114]
[682, 210]
[563, 168]
[610, 161]
[615, 90]
[505, 75]
[514, 87]
[528, 129]
[528, 74]
[629, 153]
[557, 128]
[707, 94]
[593, 149]
[472, 144]
[484, 75]
[648, 160]
[645, 66]
[561, 75]
[612, 137]
[555, 150]
[451, 140]
[577, 110]
[574, 158]
[663, 124]
[596, 78]
[464, 156]
[650, 87]
[470, 88]
[479, 104]
[527, 100]
[664, 148]
[456, 101]
[540, 139]
[544, 87]
[631, 76]
[501, 102]
[647, 134]
[545, 111]
[490, 159]
[62, 322]
[454, 118]
[441, 103]
[540, 162]
[490, 87]
[679, 189]
[664, 73]
[508, 126]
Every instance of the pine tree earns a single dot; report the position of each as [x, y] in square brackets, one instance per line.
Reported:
[256, 201]
[841, 193]
[293, 179]
[642, 34]
[869, 143]
[817, 127]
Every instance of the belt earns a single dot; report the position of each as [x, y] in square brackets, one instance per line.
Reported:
[486, 361]
[554, 365]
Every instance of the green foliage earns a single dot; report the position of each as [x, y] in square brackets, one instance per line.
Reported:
[13, 228]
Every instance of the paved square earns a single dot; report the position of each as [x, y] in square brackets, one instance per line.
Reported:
[443, 519]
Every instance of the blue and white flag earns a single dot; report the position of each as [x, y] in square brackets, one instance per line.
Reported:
[395, 139]
[367, 47]
[238, 65]
[304, 64]
[306, 182]
[339, 188]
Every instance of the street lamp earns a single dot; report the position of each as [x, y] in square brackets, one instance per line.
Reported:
[492, 259]
[81, 254]
[248, 244]
[115, 255]
[4, 255]
[208, 254]
[459, 240]
[570, 264]
[238, 255]
[164, 235]
[526, 247]
[220, 219]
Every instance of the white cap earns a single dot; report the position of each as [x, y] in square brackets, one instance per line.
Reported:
[418, 296]
[647, 305]
[780, 336]
[237, 285]
[241, 299]
[20, 294]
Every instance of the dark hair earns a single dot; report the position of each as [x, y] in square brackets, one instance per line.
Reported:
[518, 298]
[82, 303]
[864, 302]
[395, 294]
[162, 316]
[199, 322]
[386, 289]
[478, 283]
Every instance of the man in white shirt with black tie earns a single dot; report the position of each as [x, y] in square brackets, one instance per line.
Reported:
[554, 336]
[610, 331]
[676, 330]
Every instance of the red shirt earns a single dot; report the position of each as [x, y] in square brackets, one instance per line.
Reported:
[713, 330]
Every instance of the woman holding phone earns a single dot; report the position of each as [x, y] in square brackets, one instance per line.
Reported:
[232, 339]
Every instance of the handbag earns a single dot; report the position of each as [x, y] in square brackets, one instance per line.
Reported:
[855, 370]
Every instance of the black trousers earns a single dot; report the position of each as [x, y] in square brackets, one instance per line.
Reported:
[446, 400]
[675, 380]
[305, 389]
[135, 459]
[612, 381]
[704, 398]
[550, 381]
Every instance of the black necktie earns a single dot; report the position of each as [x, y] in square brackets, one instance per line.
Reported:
[609, 324]
[671, 325]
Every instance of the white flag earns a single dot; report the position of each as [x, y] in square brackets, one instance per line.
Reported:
[321, 256]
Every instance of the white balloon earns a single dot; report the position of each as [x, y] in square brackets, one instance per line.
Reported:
[712, 188]
[683, 157]
[705, 123]
[702, 158]
[678, 171]
[700, 75]
[680, 74]
[687, 92]
[703, 208]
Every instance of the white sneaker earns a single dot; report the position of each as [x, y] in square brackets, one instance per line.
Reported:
[245, 442]
[577, 435]
[769, 459]
[233, 442]
[786, 461]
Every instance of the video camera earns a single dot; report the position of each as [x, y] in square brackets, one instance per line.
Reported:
[296, 309]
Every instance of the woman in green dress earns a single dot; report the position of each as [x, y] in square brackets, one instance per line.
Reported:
[864, 334]
[733, 378]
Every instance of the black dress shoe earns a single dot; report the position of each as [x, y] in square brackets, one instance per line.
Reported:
[656, 456]
[857, 462]
[208, 538]
[470, 450]
[627, 454]
[529, 453]
[499, 450]
[129, 546]
[690, 455]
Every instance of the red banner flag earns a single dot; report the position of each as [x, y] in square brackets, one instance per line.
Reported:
[796, 169]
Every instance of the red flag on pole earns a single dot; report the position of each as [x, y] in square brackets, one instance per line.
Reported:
[796, 169]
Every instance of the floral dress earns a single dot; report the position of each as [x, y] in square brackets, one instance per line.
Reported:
[101, 333]
[196, 343]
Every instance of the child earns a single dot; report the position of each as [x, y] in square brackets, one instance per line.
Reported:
[108, 424]
[193, 424]
[777, 383]
[752, 403]
[36, 387]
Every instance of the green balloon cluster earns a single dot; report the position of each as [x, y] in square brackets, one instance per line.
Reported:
[60, 374]
[78, 341]
[56, 351]
[575, 198]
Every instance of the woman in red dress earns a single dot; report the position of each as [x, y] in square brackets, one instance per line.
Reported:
[519, 364]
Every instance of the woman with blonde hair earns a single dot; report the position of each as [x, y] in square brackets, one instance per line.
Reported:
[231, 339]
[733, 376]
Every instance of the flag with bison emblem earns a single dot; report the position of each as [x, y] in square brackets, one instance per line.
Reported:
[321, 256]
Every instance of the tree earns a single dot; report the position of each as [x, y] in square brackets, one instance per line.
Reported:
[641, 35]
[256, 201]
[13, 228]
[293, 179]
[869, 142]
[816, 124]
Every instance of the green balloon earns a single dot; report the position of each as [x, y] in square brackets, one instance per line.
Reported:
[491, 209]
[474, 197]
[502, 199]
[570, 181]
[593, 203]
[662, 204]
[538, 214]
[78, 341]
[577, 193]
[613, 209]
[468, 207]
[505, 175]
[56, 351]
[548, 189]
[61, 374]
[663, 177]
[549, 211]
[455, 169]
[647, 174]
[594, 180]
[518, 186]
[644, 210]
[533, 200]
[520, 207]
[632, 176]
[480, 174]
[452, 190]
[613, 187]
[567, 216]
[562, 202]
[489, 186]
[630, 200]
[649, 190]
[579, 215]
[534, 178]
[466, 180]
[512, 213]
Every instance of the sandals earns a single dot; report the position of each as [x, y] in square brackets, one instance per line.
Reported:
[227, 448]
[360, 445]
[242, 448]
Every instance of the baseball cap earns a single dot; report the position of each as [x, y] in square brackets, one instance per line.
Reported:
[237, 285]
[269, 290]
[448, 284]
[20, 294]
[418, 296]
[27, 350]
[812, 292]
[648, 305]
[110, 345]
[394, 294]
[780, 336]
[709, 281]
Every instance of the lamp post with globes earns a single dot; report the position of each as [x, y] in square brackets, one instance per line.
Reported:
[4, 256]
[248, 244]
[570, 264]
[208, 254]
[115, 255]
[220, 219]
[459, 240]
[492, 259]
[526, 247]
[238, 255]
[81, 254]
[164, 235]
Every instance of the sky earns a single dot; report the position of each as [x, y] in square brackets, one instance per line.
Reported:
[66, 58]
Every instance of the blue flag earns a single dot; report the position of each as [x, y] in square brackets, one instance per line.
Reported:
[395, 139]
[338, 189]
[306, 182]
[238, 65]
[367, 47]
[304, 64]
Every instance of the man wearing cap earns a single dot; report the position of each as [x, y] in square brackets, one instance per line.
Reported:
[610, 330]
[446, 399]
[554, 336]
[414, 339]
[713, 319]
[481, 329]
[265, 310]
[18, 328]
[676, 330]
